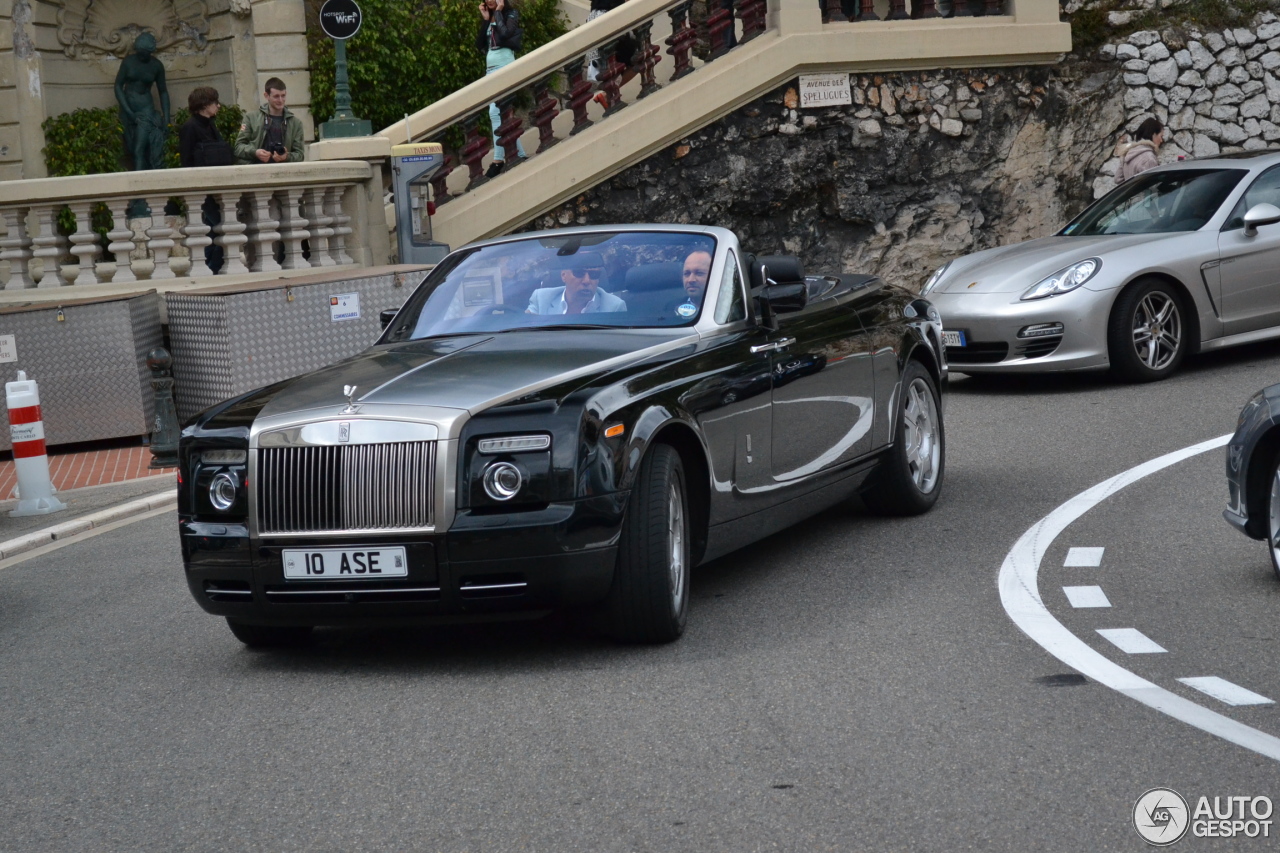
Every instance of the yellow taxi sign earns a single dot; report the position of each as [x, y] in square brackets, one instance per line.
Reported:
[416, 149]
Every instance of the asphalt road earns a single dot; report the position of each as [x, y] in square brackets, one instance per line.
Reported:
[853, 684]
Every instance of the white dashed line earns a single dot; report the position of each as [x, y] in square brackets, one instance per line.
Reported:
[1131, 641]
[1086, 596]
[1225, 691]
[1020, 595]
[1084, 557]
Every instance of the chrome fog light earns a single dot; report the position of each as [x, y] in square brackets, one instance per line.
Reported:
[223, 490]
[502, 481]
[1040, 330]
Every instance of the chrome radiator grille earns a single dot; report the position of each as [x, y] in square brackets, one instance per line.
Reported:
[357, 487]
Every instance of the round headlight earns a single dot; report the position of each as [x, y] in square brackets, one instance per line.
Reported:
[222, 491]
[502, 481]
[1064, 280]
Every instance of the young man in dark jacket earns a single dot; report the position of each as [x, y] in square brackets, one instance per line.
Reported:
[200, 144]
[499, 39]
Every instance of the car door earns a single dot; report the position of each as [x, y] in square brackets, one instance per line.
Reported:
[1249, 267]
[823, 390]
[731, 402]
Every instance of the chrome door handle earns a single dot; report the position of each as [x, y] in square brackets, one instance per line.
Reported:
[781, 343]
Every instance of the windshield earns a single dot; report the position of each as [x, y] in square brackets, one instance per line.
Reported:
[1158, 203]
[629, 279]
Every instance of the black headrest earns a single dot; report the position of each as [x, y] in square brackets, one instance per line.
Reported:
[660, 276]
[779, 268]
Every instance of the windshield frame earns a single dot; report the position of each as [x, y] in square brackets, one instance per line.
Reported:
[725, 241]
[1136, 184]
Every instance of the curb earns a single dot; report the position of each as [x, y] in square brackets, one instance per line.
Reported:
[40, 538]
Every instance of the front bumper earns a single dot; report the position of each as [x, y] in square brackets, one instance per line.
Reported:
[991, 322]
[484, 566]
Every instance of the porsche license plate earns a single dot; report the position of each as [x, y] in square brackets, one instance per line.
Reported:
[345, 564]
[953, 338]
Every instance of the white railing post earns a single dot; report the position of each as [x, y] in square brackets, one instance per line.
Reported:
[15, 247]
[196, 236]
[293, 229]
[159, 239]
[231, 236]
[50, 246]
[85, 245]
[262, 231]
[313, 209]
[122, 241]
[341, 228]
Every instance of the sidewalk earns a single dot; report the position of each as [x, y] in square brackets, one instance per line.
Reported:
[91, 480]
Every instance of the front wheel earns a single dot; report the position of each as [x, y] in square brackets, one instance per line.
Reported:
[268, 636]
[649, 600]
[910, 477]
[1148, 334]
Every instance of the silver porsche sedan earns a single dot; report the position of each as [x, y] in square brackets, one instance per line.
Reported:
[1176, 260]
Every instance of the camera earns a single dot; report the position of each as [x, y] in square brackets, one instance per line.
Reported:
[277, 148]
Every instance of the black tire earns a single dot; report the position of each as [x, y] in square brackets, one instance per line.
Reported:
[1149, 331]
[269, 636]
[649, 599]
[1273, 515]
[910, 476]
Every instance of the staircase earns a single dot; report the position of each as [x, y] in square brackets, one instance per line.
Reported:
[574, 143]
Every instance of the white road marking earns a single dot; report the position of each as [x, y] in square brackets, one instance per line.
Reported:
[1086, 557]
[1225, 691]
[1131, 641]
[1086, 596]
[1020, 595]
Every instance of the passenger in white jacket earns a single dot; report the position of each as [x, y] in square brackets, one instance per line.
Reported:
[1142, 153]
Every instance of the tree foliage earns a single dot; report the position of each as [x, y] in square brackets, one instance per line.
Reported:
[411, 53]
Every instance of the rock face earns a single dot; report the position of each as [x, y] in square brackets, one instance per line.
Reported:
[925, 166]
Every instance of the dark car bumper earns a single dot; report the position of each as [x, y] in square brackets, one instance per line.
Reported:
[484, 566]
[1250, 452]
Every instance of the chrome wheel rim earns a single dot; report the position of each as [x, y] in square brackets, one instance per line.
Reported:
[920, 434]
[1157, 330]
[1273, 525]
[675, 541]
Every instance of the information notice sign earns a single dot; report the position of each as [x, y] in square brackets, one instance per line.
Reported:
[824, 90]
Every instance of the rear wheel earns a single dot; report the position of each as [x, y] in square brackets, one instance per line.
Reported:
[1148, 333]
[910, 477]
[268, 636]
[1273, 517]
[649, 600]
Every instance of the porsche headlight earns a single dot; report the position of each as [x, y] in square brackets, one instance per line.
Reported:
[1064, 280]
[935, 278]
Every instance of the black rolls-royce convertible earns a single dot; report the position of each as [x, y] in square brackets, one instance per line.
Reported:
[562, 418]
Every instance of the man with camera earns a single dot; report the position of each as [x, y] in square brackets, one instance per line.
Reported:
[273, 134]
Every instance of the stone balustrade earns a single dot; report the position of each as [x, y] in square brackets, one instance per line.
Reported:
[861, 11]
[152, 226]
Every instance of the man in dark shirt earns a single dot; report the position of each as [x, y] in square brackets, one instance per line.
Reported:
[273, 134]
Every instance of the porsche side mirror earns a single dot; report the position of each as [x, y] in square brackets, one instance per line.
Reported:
[1259, 215]
[386, 316]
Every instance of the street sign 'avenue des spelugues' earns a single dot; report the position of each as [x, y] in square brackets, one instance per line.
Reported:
[340, 19]
[824, 90]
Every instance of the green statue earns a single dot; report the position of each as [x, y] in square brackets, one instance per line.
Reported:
[144, 128]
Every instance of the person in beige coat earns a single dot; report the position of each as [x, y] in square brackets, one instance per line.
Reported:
[1141, 154]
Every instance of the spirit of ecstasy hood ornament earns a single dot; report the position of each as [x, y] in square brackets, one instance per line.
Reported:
[350, 392]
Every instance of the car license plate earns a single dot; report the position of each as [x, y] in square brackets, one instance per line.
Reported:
[345, 564]
[953, 338]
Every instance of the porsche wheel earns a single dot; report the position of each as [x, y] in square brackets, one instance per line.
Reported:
[649, 600]
[910, 477]
[1148, 334]
[268, 636]
[1273, 517]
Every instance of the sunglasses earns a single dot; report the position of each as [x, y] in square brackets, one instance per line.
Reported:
[595, 273]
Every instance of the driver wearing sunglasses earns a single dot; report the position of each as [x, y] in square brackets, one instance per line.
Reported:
[581, 293]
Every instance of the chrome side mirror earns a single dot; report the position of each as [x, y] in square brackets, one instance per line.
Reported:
[1259, 215]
